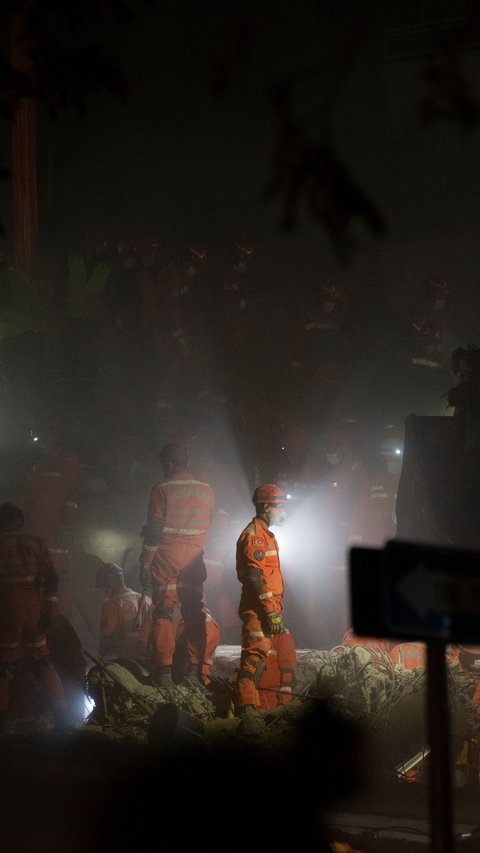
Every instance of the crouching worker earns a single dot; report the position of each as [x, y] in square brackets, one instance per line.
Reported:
[123, 613]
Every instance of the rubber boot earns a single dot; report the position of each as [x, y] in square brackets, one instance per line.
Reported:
[252, 723]
[246, 711]
[194, 678]
[162, 677]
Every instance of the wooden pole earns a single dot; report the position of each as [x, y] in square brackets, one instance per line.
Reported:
[24, 159]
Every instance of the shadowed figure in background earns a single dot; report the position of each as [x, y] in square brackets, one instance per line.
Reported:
[28, 601]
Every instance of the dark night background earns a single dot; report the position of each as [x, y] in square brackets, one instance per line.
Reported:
[389, 90]
[190, 150]
[189, 154]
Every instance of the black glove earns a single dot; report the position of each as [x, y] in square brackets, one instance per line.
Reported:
[274, 623]
[146, 577]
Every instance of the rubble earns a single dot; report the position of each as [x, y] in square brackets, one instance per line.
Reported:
[362, 687]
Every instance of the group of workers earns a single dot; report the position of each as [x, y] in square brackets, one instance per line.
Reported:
[176, 629]
[181, 606]
[168, 622]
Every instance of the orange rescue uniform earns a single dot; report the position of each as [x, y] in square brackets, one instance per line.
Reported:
[119, 635]
[183, 508]
[28, 590]
[278, 679]
[259, 572]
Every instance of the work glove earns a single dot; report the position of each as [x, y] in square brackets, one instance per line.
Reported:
[146, 577]
[274, 623]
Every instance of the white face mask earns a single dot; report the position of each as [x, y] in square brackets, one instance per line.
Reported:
[280, 519]
[334, 458]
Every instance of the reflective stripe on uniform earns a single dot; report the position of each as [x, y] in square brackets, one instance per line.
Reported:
[256, 634]
[163, 587]
[271, 553]
[184, 531]
[182, 483]
[265, 595]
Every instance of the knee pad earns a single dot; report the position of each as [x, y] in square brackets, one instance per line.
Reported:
[245, 673]
[259, 672]
[253, 676]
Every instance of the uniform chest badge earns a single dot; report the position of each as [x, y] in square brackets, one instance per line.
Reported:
[257, 542]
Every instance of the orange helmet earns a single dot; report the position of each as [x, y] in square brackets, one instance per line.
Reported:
[269, 493]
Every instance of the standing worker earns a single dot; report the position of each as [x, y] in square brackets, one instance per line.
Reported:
[180, 513]
[28, 602]
[51, 496]
[123, 613]
[259, 572]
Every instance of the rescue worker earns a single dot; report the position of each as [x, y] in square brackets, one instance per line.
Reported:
[28, 602]
[259, 572]
[123, 613]
[179, 516]
[51, 501]
[373, 521]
